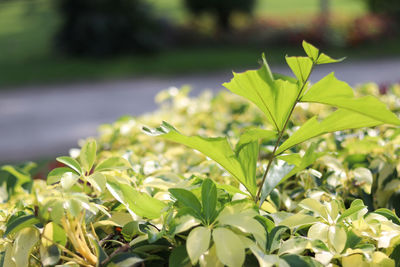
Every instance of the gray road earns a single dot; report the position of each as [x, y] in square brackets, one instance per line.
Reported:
[46, 121]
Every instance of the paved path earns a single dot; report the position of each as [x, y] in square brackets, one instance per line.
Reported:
[46, 121]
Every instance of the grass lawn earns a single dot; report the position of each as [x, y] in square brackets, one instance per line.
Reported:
[27, 56]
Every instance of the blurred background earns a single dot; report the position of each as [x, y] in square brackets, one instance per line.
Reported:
[67, 66]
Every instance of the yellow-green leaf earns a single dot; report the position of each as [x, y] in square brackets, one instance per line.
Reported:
[217, 148]
[230, 249]
[331, 91]
[337, 237]
[301, 67]
[197, 243]
[23, 244]
[275, 98]
[298, 219]
[87, 155]
[339, 120]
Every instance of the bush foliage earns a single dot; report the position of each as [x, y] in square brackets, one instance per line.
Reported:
[107, 27]
[222, 10]
[131, 199]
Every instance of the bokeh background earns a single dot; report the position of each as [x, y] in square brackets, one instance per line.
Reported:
[67, 66]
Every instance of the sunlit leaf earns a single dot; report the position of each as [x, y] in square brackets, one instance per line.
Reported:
[70, 162]
[230, 249]
[339, 120]
[295, 245]
[24, 242]
[68, 179]
[337, 237]
[140, 203]
[87, 155]
[298, 220]
[19, 223]
[217, 148]
[113, 163]
[55, 175]
[275, 98]
[274, 177]
[301, 67]
[331, 91]
[197, 243]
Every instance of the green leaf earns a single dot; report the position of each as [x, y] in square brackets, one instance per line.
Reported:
[253, 134]
[301, 67]
[217, 149]
[130, 230]
[390, 215]
[21, 176]
[197, 243]
[187, 198]
[55, 233]
[352, 240]
[298, 220]
[230, 249]
[396, 255]
[319, 231]
[50, 255]
[70, 162]
[113, 163]
[331, 91]
[179, 257]
[140, 203]
[209, 199]
[100, 253]
[311, 51]
[325, 59]
[275, 98]
[243, 220]
[248, 156]
[124, 260]
[294, 245]
[339, 120]
[87, 155]
[24, 242]
[275, 237]
[301, 162]
[300, 261]
[19, 223]
[98, 181]
[247, 153]
[363, 178]
[315, 206]
[274, 177]
[356, 206]
[55, 175]
[68, 179]
[337, 237]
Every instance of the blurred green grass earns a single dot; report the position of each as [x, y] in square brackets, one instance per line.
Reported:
[174, 9]
[27, 55]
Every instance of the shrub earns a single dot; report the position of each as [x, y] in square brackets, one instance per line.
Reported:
[129, 199]
[387, 7]
[107, 27]
[220, 9]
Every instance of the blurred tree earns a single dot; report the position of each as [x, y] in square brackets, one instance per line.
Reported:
[107, 27]
[221, 9]
[387, 7]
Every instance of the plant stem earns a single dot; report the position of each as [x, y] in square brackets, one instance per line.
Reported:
[281, 135]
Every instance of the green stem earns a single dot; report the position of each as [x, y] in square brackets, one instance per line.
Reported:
[281, 133]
